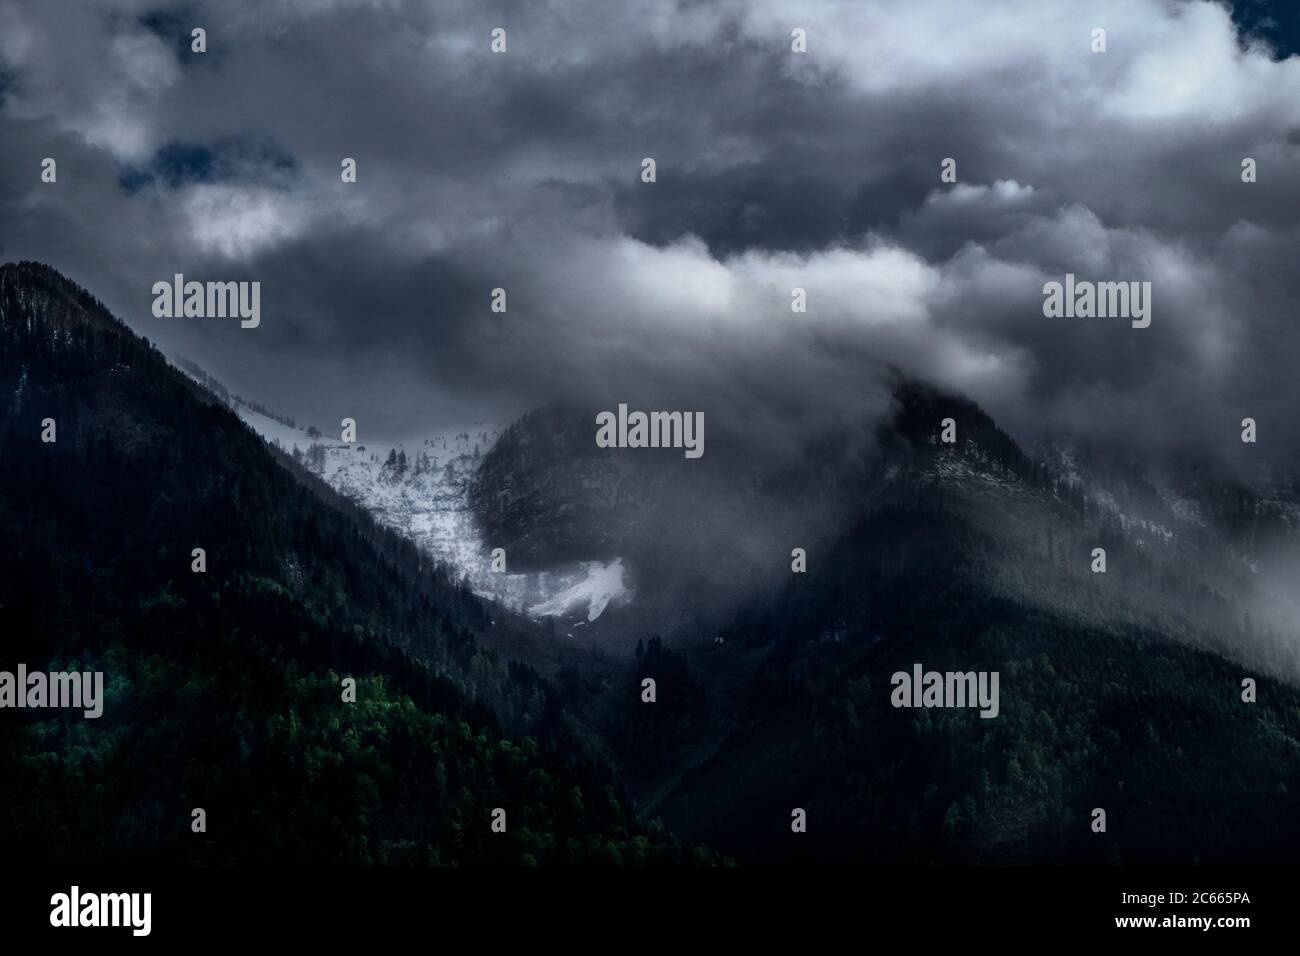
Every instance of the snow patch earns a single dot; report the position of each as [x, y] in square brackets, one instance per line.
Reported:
[427, 500]
[602, 585]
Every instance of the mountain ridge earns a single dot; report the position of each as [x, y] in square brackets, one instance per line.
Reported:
[225, 688]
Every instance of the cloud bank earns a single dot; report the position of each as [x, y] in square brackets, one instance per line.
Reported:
[775, 171]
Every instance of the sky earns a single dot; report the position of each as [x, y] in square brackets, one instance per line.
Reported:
[820, 170]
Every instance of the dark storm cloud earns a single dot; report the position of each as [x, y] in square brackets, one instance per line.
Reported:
[820, 171]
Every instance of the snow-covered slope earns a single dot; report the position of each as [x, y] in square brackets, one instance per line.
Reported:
[420, 490]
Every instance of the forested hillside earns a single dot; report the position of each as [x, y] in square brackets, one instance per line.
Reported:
[1100, 707]
[1120, 691]
[224, 687]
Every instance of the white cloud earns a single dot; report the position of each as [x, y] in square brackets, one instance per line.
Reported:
[238, 222]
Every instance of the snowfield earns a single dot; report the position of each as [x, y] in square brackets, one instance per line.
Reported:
[427, 500]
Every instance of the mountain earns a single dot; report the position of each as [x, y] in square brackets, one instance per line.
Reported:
[1193, 541]
[1160, 690]
[1097, 710]
[1121, 690]
[224, 688]
[695, 540]
[421, 490]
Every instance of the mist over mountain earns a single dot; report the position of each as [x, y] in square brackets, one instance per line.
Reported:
[920, 560]
[965, 554]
